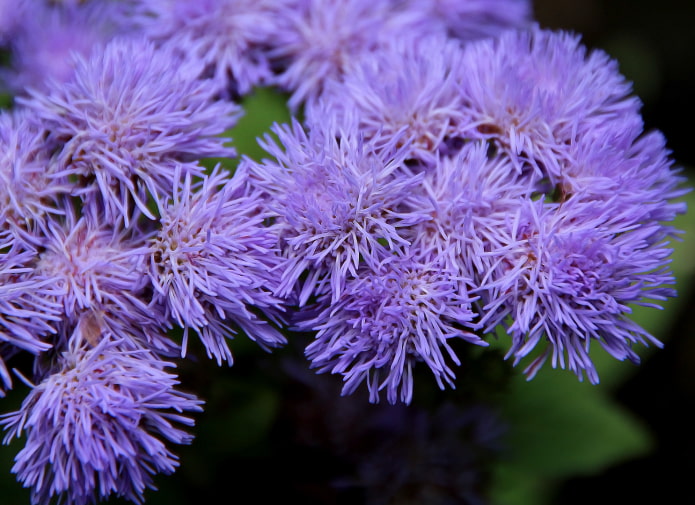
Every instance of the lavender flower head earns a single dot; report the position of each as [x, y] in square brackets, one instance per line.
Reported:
[386, 320]
[98, 425]
[473, 19]
[27, 191]
[323, 38]
[409, 89]
[566, 277]
[335, 198]
[536, 92]
[126, 121]
[214, 263]
[45, 36]
[228, 38]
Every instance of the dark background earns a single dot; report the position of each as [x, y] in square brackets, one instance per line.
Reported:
[655, 45]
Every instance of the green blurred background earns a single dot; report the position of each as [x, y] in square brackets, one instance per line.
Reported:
[270, 433]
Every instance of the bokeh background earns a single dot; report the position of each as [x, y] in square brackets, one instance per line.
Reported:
[272, 430]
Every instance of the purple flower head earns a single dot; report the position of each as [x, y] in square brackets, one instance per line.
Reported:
[386, 320]
[100, 277]
[214, 263]
[27, 190]
[98, 426]
[468, 197]
[410, 89]
[537, 92]
[472, 19]
[634, 171]
[567, 276]
[227, 38]
[28, 310]
[323, 38]
[335, 199]
[127, 120]
[46, 36]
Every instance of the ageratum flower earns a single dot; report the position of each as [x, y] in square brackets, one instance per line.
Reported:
[537, 92]
[27, 191]
[214, 263]
[472, 19]
[100, 274]
[410, 89]
[403, 311]
[45, 36]
[228, 38]
[28, 308]
[126, 121]
[323, 38]
[338, 203]
[567, 276]
[468, 197]
[98, 425]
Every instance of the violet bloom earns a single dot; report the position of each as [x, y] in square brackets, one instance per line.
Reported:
[214, 263]
[227, 38]
[566, 277]
[126, 121]
[45, 37]
[323, 38]
[29, 311]
[468, 197]
[386, 320]
[537, 92]
[100, 274]
[472, 19]
[338, 203]
[28, 192]
[98, 425]
[410, 89]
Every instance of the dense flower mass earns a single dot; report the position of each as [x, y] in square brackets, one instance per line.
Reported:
[127, 120]
[452, 171]
[94, 427]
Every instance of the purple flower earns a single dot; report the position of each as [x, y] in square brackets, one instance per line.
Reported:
[27, 190]
[214, 263]
[126, 121]
[386, 320]
[28, 308]
[472, 19]
[97, 426]
[410, 89]
[468, 197]
[99, 274]
[45, 36]
[227, 38]
[323, 38]
[566, 276]
[338, 203]
[537, 92]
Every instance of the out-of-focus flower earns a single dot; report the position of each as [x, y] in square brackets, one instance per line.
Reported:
[214, 262]
[97, 426]
[45, 36]
[338, 203]
[324, 38]
[227, 38]
[471, 19]
[409, 90]
[565, 276]
[388, 318]
[126, 121]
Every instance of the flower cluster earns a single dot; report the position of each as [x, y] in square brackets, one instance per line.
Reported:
[457, 170]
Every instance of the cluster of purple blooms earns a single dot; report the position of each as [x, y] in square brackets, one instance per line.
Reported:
[458, 170]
